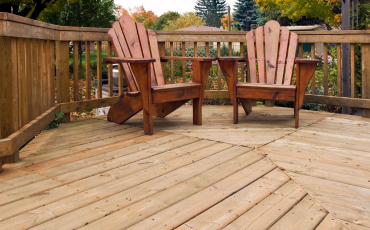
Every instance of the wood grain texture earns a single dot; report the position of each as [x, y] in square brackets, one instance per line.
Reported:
[259, 36]
[251, 57]
[292, 53]
[283, 50]
[365, 76]
[272, 38]
[121, 49]
[153, 44]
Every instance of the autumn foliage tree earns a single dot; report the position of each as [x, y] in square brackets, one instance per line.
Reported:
[185, 20]
[139, 14]
[328, 10]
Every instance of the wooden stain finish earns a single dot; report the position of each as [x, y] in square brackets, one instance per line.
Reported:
[138, 54]
[276, 51]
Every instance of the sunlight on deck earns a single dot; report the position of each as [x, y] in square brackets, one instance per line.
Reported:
[258, 174]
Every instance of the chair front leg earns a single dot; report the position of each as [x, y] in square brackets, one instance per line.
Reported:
[142, 72]
[230, 71]
[304, 75]
[200, 75]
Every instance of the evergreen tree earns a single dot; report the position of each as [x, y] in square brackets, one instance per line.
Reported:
[244, 9]
[211, 11]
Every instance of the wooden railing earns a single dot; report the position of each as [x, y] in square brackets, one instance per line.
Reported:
[35, 81]
[333, 37]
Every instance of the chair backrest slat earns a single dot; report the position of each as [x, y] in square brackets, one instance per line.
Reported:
[143, 38]
[260, 54]
[117, 39]
[284, 41]
[132, 38]
[251, 56]
[292, 53]
[153, 44]
[276, 49]
[272, 35]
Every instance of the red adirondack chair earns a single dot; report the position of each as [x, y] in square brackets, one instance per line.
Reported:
[276, 49]
[137, 52]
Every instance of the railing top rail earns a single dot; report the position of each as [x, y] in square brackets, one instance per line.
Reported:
[16, 26]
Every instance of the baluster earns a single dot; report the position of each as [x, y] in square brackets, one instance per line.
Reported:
[183, 62]
[75, 71]
[326, 79]
[353, 83]
[99, 69]
[171, 64]
[242, 63]
[207, 55]
[218, 67]
[110, 72]
[339, 70]
[88, 70]
[313, 80]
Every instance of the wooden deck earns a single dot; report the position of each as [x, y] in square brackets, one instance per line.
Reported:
[261, 173]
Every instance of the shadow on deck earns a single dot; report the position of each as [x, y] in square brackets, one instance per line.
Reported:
[261, 173]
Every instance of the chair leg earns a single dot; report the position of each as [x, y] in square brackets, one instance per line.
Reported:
[197, 111]
[142, 73]
[296, 114]
[235, 111]
[148, 122]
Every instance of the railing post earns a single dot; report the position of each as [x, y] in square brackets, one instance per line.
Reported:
[8, 94]
[62, 66]
[366, 76]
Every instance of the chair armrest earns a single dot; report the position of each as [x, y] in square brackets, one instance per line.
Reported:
[307, 61]
[239, 59]
[168, 58]
[114, 60]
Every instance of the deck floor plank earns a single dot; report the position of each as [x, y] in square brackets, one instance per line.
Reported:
[260, 173]
[175, 185]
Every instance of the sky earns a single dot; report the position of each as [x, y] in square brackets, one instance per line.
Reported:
[161, 6]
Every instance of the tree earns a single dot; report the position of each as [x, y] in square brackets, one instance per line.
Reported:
[327, 11]
[225, 21]
[244, 9]
[211, 11]
[164, 19]
[147, 18]
[25, 8]
[186, 20]
[81, 13]
[139, 14]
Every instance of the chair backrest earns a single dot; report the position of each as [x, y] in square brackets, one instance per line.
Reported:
[276, 49]
[131, 40]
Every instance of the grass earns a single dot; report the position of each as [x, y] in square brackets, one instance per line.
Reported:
[93, 57]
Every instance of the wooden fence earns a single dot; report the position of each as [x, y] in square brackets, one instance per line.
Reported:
[35, 76]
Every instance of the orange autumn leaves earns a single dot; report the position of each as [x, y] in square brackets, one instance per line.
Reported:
[139, 14]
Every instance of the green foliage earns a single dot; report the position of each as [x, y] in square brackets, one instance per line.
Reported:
[164, 19]
[325, 11]
[211, 11]
[55, 122]
[364, 15]
[243, 9]
[185, 20]
[26, 8]
[82, 13]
